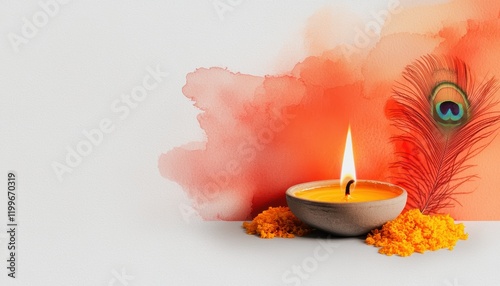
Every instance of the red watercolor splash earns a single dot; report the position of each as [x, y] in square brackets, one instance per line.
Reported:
[265, 134]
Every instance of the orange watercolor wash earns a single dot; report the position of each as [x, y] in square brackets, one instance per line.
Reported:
[265, 134]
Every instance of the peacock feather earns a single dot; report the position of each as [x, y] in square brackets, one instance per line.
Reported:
[444, 118]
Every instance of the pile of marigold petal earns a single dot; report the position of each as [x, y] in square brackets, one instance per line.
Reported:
[276, 222]
[413, 231]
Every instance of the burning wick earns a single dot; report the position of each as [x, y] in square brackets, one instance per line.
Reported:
[347, 188]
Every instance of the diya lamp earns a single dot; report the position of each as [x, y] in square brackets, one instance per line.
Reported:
[346, 207]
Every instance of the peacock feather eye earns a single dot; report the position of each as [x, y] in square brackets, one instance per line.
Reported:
[449, 104]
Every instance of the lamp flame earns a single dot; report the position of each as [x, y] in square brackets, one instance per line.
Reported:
[348, 169]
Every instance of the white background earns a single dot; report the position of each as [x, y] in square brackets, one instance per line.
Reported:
[114, 214]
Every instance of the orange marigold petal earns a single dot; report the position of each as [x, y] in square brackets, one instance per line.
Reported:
[413, 231]
[276, 222]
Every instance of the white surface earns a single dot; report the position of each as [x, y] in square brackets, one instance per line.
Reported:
[114, 212]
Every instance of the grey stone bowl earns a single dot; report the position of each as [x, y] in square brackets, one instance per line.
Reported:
[346, 219]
